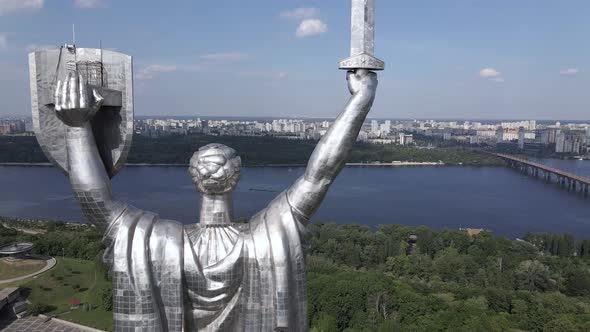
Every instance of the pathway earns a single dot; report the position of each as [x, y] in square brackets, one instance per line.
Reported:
[48, 266]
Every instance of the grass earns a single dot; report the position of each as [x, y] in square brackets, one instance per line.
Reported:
[12, 269]
[70, 278]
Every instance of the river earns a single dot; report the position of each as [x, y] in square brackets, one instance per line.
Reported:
[494, 198]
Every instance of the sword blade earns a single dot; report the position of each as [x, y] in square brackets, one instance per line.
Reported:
[362, 37]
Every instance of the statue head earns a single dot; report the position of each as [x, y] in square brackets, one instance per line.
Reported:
[215, 169]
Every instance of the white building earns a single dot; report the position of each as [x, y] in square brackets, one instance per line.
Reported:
[485, 133]
[374, 126]
[363, 136]
[405, 139]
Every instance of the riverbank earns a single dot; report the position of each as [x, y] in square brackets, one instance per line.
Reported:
[255, 151]
[399, 163]
[393, 163]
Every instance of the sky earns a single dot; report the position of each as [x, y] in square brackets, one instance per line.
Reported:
[489, 59]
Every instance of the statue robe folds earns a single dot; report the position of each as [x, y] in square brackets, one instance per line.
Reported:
[161, 284]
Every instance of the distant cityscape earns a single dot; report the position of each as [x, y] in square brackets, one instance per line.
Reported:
[566, 138]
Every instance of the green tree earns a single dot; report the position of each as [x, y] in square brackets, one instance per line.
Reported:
[560, 325]
[326, 323]
[533, 275]
[578, 283]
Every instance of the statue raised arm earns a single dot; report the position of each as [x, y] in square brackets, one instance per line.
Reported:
[331, 153]
[75, 105]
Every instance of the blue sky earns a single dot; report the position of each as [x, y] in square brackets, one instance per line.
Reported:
[444, 59]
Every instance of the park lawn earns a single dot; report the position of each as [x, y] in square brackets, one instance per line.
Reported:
[71, 278]
[9, 270]
[97, 318]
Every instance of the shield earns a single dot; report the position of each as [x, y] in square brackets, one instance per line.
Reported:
[108, 71]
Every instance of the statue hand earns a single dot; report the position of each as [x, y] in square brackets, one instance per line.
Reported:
[74, 104]
[362, 81]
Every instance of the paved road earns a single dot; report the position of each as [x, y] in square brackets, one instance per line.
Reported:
[49, 265]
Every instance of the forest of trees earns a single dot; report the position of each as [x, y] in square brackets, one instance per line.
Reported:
[259, 150]
[362, 279]
[365, 280]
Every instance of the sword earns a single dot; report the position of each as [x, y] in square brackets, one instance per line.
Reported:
[362, 38]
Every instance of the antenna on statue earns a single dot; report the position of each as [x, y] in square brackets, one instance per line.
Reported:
[72, 47]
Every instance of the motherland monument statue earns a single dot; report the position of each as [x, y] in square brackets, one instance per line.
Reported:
[213, 275]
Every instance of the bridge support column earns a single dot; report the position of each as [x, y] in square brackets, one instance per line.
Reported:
[586, 190]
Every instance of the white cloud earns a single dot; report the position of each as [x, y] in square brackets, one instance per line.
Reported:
[310, 28]
[300, 13]
[276, 75]
[491, 75]
[229, 56]
[197, 67]
[88, 3]
[35, 47]
[569, 71]
[3, 42]
[152, 71]
[14, 6]
[489, 72]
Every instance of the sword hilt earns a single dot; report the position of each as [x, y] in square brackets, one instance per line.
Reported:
[362, 61]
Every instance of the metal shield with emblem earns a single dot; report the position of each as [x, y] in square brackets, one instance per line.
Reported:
[107, 71]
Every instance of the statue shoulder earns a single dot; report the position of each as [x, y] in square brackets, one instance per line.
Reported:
[278, 211]
[132, 220]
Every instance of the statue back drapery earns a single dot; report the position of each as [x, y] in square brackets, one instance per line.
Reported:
[161, 284]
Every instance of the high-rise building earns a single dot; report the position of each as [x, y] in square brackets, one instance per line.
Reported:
[499, 135]
[362, 137]
[569, 142]
[549, 136]
[374, 126]
[532, 125]
[277, 127]
[405, 139]
[521, 133]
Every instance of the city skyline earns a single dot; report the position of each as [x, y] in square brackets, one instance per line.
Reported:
[452, 60]
[527, 135]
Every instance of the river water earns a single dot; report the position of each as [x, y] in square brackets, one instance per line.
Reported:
[495, 198]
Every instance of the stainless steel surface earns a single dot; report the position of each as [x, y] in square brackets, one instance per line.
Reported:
[362, 38]
[214, 274]
[362, 33]
[110, 73]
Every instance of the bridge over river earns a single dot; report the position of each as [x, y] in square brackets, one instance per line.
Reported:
[570, 181]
